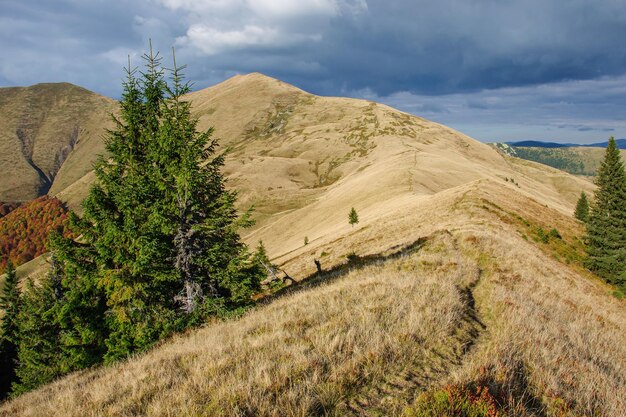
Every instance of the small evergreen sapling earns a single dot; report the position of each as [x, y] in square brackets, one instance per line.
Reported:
[582, 208]
[353, 217]
[261, 258]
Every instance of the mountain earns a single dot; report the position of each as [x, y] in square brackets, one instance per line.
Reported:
[48, 136]
[462, 282]
[621, 144]
[303, 161]
[540, 144]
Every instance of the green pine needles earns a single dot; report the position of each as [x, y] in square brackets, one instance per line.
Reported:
[606, 226]
[159, 248]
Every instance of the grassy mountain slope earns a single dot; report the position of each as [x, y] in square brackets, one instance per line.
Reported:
[454, 291]
[451, 277]
[48, 136]
[304, 161]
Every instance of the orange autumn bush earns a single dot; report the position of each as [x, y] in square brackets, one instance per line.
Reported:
[24, 231]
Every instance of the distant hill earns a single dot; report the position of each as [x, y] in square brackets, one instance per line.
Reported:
[621, 143]
[575, 159]
[540, 144]
[49, 136]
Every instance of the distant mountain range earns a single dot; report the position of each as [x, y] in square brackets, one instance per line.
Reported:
[621, 143]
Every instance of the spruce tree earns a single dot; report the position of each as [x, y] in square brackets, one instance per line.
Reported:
[10, 304]
[353, 217]
[210, 260]
[582, 208]
[159, 234]
[606, 228]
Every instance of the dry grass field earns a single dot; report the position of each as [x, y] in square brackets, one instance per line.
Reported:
[461, 293]
[450, 279]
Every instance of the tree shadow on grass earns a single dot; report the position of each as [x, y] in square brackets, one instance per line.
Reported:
[353, 262]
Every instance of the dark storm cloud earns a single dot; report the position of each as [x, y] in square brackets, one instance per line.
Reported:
[446, 46]
[83, 42]
[460, 61]
[430, 47]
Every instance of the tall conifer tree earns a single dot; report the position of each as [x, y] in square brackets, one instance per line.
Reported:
[606, 228]
[159, 237]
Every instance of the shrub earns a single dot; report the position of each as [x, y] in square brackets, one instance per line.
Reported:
[453, 400]
[554, 234]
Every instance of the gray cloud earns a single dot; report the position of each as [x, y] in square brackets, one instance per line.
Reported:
[480, 65]
[579, 111]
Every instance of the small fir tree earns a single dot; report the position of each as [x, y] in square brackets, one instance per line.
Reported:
[261, 258]
[261, 253]
[353, 217]
[9, 330]
[606, 228]
[582, 208]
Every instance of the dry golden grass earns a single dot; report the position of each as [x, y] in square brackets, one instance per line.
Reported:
[560, 332]
[342, 347]
[482, 298]
[304, 161]
[477, 300]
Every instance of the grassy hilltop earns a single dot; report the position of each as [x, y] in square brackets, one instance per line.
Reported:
[450, 294]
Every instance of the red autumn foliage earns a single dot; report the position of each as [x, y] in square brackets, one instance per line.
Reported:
[24, 232]
[478, 398]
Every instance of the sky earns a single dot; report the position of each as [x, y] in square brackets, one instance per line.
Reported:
[497, 70]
